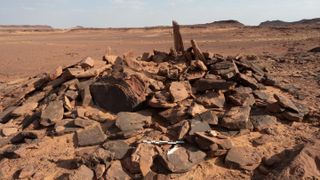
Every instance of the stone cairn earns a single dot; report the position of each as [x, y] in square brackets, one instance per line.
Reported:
[147, 117]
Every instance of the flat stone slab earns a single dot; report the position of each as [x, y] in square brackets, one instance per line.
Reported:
[118, 148]
[129, 121]
[237, 118]
[91, 136]
[181, 160]
[242, 158]
[52, 113]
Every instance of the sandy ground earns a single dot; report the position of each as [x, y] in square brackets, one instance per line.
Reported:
[25, 54]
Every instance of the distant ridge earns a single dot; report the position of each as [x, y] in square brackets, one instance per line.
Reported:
[279, 23]
[25, 27]
[221, 24]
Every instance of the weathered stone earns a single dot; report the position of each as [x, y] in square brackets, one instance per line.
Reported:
[94, 114]
[196, 109]
[179, 91]
[72, 94]
[181, 160]
[292, 116]
[211, 99]
[178, 42]
[175, 114]
[84, 122]
[84, 88]
[206, 142]
[197, 52]
[161, 100]
[237, 118]
[67, 104]
[242, 158]
[26, 172]
[262, 95]
[82, 173]
[241, 99]
[216, 84]
[128, 121]
[209, 117]
[183, 129]
[160, 56]
[199, 65]
[87, 63]
[99, 170]
[27, 136]
[56, 73]
[146, 56]
[93, 135]
[116, 172]
[92, 156]
[6, 114]
[226, 69]
[112, 59]
[261, 122]
[250, 66]
[248, 81]
[25, 109]
[275, 108]
[9, 131]
[198, 126]
[52, 113]
[143, 158]
[119, 94]
[118, 148]
[286, 103]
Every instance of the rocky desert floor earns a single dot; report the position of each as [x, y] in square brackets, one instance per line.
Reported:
[287, 149]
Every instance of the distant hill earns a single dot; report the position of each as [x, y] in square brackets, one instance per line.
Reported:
[25, 27]
[223, 23]
[278, 23]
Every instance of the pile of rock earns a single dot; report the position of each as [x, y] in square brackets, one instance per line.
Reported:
[150, 116]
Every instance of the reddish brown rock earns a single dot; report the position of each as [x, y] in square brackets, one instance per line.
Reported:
[52, 113]
[242, 158]
[286, 103]
[116, 172]
[25, 109]
[216, 84]
[87, 63]
[196, 109]
[143, 158]
[92, 135]
[118, 148]
[212, 99]
[82, 173]
[127, 121]
[180, 159]
[119, 94]
[56, 73]
[237, 118]
[179, 91]
[197, 52]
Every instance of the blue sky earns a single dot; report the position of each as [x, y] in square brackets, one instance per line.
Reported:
[135, 13]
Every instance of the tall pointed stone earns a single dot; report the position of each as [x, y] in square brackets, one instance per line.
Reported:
[178, 43]
[197, 52]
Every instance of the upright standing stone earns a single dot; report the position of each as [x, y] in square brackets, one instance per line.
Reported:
[197, 51]
[178, 43]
